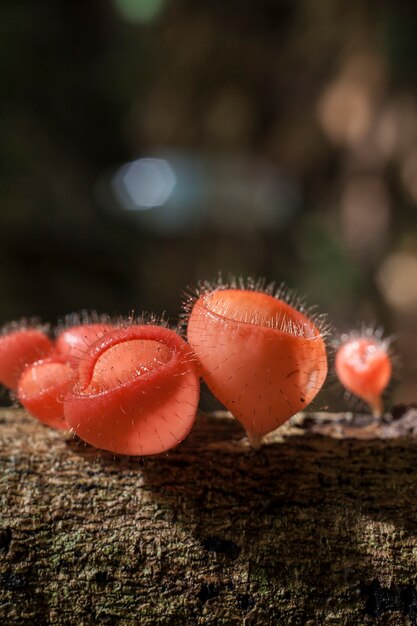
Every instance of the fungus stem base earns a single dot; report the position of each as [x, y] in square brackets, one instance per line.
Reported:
[255, 440]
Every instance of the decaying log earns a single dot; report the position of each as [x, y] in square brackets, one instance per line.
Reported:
[318, 527]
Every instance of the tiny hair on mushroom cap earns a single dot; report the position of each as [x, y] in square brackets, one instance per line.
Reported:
[260, 350]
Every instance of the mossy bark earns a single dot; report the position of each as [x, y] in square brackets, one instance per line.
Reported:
[318, 527]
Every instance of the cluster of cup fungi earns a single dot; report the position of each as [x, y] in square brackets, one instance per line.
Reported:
[132, 387]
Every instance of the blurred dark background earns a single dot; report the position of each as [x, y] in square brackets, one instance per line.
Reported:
[147, 144]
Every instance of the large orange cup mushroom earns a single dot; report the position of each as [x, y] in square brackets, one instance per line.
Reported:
[261, 357]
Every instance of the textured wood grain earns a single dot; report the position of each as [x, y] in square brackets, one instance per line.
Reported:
[319, 527]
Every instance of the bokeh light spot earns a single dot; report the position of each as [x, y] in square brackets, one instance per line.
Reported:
[144, 183]
[397, 279]
[139, 11]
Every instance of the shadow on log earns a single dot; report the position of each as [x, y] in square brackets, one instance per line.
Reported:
[318, 527]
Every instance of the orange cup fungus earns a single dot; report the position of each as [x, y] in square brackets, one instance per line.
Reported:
[137, 393]
[260, 355]
[127, 389]
[363, 366]
[44, 384]
[19, 348]
[43, 387]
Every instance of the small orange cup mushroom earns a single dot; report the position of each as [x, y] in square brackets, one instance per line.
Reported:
[19, 348]
[363, 366]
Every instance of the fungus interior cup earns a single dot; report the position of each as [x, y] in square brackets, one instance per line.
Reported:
[260, 356]
[42, 388]
[18, 349]
[138, 391]
[364, 368]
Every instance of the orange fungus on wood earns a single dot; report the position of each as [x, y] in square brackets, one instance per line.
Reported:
[364, 368]
[18, 349]
[138, 391]
[261, 357]
[42, 388]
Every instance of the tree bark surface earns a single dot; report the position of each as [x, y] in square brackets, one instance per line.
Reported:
[318, 527]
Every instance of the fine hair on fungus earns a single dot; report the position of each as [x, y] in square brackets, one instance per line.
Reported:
[260, 351]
